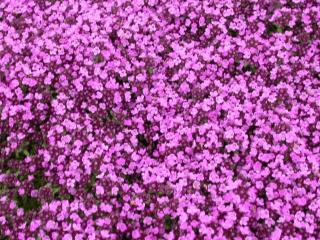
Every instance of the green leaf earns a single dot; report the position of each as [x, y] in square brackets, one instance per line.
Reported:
[142, 140]
[27, 148]
[121, 80]
[26, 152]
[99, 58]
[27, 202]
[53, 92]
[68, 197]
[150, 70]
[196, 231]
[273, 28]
[21, 176]
[2, 237]
[249, 68]
[168, 223]
[132, 178]
[3, 138]
[92, 182]
[24, 89]
[161, 194]
[233, 33]
[124, 236]
[39, 180]
[3, 189]
[55, 189]
[111, 116]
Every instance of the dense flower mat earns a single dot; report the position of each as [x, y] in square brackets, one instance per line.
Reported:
[154, 119]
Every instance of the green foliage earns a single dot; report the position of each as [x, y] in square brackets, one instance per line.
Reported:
[196, 231]
[21, 176]
[168, 223]
[91, 184]
[3, 189]
[251, 130]
[121, 80]
[150, 70]
[249, 68]
[142, 140]
[27, 202]
[111, 116]
[99, 58]
[154, 146]
[53, 92]
[2, 237]
[58, 195]
[132, 178]
[26, 149]
[55, 191]
[124, 236]
[232, 32]
[273, 28]
[24, 89]
[39, 180]
[3, 138]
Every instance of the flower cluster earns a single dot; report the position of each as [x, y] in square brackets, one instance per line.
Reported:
[157, 119]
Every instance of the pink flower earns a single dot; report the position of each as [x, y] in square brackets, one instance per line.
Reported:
[105, 234]
[121, 161]
[121, 227]
[67, 237]
[99, 190]
[136, 234]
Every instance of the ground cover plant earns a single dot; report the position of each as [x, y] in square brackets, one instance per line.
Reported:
[158, 119]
